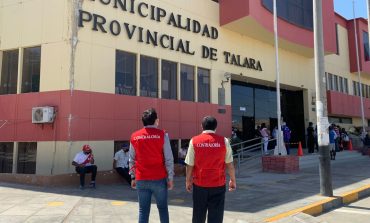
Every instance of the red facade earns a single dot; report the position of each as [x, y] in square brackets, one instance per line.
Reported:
[95, 116]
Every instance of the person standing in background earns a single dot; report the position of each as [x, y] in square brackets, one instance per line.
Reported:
[310, 138]
[265, 137]
[286, 135]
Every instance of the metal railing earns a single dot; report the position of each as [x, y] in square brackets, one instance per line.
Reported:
[248, 152]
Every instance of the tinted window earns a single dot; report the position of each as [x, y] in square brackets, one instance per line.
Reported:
[366, 46]
[187, 83]
[27, 152]
[169, 80]
[148, 77]
[9, 72]
[203, 85]
[298, 12]
[125, 73]
[31, 70]
[6, 157]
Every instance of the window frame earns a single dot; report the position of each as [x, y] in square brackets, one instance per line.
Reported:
[124, 90]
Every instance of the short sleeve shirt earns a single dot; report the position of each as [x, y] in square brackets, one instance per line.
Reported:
[81, 157]
[121, 158]
[190, 155]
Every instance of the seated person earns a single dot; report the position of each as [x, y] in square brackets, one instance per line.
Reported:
[120, 162]
[182, 154]
[84, 163]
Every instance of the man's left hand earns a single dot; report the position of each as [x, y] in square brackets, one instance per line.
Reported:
[170, 185]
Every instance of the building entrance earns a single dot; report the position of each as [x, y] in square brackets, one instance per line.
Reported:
[254, 104]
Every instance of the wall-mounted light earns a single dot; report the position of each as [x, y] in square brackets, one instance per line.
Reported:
[227, 76]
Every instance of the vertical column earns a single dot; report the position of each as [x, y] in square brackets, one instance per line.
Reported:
[159, 78]
[20, 70]
[15, 157]
[178, 71]
[196, 83]
[137, 74]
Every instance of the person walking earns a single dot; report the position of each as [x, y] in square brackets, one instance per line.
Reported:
[310, 138]
[265, 137]
[208, 155]
[151, 166]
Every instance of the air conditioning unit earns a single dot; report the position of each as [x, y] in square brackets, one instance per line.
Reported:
[42, 115]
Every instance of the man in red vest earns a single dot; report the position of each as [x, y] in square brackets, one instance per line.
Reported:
[151, 165]
[207, 157]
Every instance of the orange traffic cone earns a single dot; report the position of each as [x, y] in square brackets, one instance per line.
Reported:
[300, 150]
[350, 148]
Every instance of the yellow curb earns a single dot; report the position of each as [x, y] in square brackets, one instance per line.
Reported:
[118, 203]
[352, 196]
[317, 207]
[314, 208]
[55, 204]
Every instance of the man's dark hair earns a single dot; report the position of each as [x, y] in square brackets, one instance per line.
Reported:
[209, 123]
[149, 117]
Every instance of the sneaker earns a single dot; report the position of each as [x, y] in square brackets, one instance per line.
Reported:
[92, 185]
[82, 187]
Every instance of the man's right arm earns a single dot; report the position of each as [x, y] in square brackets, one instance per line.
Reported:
[231, 170]
[74, 162]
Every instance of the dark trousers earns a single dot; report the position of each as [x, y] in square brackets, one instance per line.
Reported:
[211, 199]
[124, 173]
[87, 169]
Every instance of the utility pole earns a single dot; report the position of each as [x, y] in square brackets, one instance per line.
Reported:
[359, 74]
[278, 106]
[326, 188]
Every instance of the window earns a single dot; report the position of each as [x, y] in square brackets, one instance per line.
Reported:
[338, 120]
[203, 85]
[335, 83]
[345, 85]
[148, 77]
[340, 84]
[125, 73]
[298, 12]
[27, 152]
[354, 88]
[169, 80]
[330, 81]
[365, 37]
[31, 70]
[6, 157]
[187, 82]
[9, 72]
[363, 88]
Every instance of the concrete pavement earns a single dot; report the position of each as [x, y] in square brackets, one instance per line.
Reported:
[258, 198]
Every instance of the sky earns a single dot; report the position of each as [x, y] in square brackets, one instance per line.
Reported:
[345, 9]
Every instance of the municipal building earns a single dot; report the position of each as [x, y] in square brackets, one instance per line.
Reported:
[75, 72]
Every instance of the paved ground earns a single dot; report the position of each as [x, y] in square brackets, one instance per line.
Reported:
[357, 212]
[258, 196]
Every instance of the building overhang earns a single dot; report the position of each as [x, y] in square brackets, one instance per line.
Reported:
[252, 19]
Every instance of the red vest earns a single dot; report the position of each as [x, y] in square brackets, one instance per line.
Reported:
[209, 164]
[149, 156]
